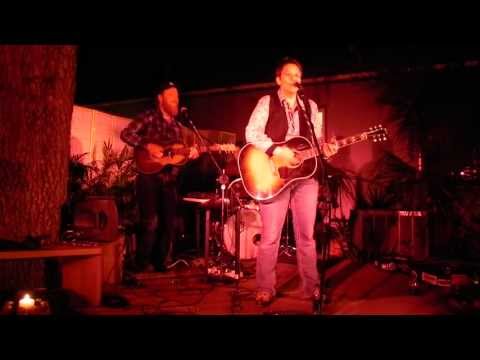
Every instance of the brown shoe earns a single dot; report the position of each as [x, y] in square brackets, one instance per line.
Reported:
[263, 298]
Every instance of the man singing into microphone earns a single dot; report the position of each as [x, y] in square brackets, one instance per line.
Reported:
[157, 193]
[276, 118]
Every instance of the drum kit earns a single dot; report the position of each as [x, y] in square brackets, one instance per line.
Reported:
[248, 212]
[239, 229]
[227, 237]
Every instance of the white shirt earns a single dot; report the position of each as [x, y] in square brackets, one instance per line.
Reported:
[255, 130]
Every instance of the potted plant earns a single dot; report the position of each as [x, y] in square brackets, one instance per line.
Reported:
[101, 194]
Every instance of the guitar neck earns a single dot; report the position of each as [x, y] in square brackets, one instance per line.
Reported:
[228, 148]
[307, 154]
[201, 149]
[352, 140]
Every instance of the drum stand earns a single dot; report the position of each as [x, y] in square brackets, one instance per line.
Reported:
[223, 181]
[236, 294]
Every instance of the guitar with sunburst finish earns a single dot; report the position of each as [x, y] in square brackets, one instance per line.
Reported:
[264, 177]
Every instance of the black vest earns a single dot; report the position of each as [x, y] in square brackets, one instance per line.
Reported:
[277, 123]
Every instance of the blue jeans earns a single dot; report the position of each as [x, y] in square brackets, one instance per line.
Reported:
[302, 197]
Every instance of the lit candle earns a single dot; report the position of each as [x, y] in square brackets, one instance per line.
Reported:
[26, 303]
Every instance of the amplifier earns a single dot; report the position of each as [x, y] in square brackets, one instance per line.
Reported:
[392, 232]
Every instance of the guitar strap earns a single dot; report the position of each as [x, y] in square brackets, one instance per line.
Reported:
[306, 116]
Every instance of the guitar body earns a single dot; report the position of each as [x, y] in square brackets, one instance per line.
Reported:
[175, 155]
[264, 177]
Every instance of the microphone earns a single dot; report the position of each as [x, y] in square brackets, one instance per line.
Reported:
[300, 89]
[183, 115]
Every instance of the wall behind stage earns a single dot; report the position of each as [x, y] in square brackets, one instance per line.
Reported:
[91, 129]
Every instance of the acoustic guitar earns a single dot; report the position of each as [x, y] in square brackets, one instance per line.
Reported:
[264, 177]
[173, 154]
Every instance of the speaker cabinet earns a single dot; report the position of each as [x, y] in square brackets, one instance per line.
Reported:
[392, 232]
[96, 219]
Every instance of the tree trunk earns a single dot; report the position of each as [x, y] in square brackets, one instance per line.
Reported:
[36, 90]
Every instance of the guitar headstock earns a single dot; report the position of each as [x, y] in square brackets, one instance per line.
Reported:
[228, 148]
[377, 133]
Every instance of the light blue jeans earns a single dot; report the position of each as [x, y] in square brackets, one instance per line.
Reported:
[302, 196]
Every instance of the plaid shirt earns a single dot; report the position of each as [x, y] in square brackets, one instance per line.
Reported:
[150, 127]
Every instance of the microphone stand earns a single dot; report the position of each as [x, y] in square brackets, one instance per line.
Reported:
[222, 179]
[318, 298]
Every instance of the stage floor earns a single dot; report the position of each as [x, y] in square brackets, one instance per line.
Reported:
[354, 289]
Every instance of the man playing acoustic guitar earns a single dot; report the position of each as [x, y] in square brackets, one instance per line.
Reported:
[151, 134]
[278, 117]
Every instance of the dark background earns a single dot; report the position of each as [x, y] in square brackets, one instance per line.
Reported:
[117, 73]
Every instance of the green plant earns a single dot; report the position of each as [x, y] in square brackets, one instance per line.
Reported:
[387, 183]
[113, 176]
[110, 175]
